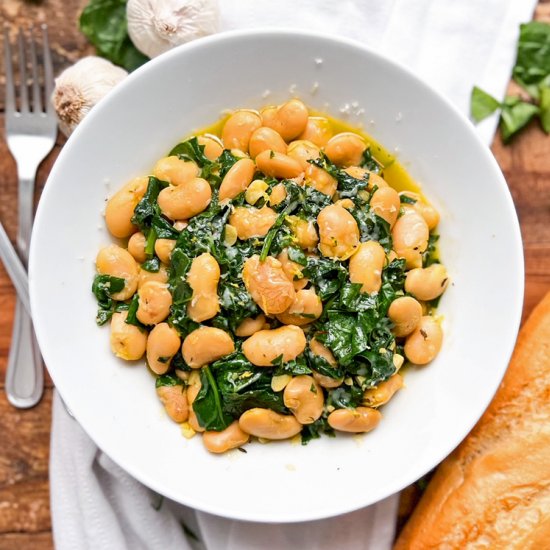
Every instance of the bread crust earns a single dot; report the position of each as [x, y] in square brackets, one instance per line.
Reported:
[493, 491]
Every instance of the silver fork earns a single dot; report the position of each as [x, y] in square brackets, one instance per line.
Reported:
[30, 134]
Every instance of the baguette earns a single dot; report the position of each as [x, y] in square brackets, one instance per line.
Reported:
[493, 491]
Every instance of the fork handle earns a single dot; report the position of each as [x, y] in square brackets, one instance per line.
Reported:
[25, 374]
[26, 208]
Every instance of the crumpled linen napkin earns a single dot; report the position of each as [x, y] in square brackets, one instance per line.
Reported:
[452, 45]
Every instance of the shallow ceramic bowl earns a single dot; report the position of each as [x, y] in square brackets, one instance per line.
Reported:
[138, 123]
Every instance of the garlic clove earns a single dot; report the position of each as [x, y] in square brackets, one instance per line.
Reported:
[80, 87]
[157, 26]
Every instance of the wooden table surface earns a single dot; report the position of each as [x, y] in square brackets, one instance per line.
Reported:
[24, 435]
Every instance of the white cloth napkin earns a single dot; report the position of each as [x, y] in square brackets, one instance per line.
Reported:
[451, 44]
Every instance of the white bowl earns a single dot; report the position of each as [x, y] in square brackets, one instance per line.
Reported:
[138, 123]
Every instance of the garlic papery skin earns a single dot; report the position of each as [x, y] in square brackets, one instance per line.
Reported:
[80, 87]
[156, 26]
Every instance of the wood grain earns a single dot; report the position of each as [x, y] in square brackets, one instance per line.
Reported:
[24, 435]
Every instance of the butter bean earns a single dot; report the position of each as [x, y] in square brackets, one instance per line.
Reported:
[318, 130]
[268, 424]
[193, 389]
[304, 232]
[292, 270]
[306, 308]
[345, 149]
[321, 180]
[278, 194]
[405, 313]
[289, 120]
[256, 191]
[251, 325]
[186, 200]
[359, 420]
[266, 345]
[277, 165]
[144, 276]
[120, 208]
[427, 211]
[321, 350]
[176, 171]
[162, 344]
[302, 151]
[427, 283]
[410, 238]
[237, 179]
[117, 262]
[266, 139]
[203, 278]
[338, 232]
[127, 341]
[213, 147]
[385, 203]
[225, 440]
[423, 345]
[164, 248]
[154, 303]
[239, 128]
[381, 394]
[268, 285]
[174, 399]
[136, 247]
[366, 265]
[252, 222]
[304, 397]
[205, 345]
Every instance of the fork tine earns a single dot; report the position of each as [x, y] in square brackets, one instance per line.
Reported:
[23, 92]
[36, 100]
[10, 91]
[48, 70]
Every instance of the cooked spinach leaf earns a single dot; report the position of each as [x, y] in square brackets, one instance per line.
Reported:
[168, 380]
[208, 404]
[244, 387]
[314, 430]
[103, 287]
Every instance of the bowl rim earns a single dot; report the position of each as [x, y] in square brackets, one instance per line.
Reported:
[516, 252]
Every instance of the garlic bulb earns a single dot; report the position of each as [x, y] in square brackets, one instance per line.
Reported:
[80, 87]
[155, 26]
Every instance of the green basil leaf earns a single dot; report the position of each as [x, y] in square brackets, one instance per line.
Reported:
[482, 104]
[515, 115]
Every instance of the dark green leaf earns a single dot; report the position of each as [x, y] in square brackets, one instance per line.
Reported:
[152, 265]
[345, 397]
[295, 367]
[208, 404]
[314, 430]
[327, 275]
[369, 162]
[244, 386]
[104, 23]
[482, 104]
[103, 287]
[168, 380]
[147, 208]
[372, 227]
[132, 319]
